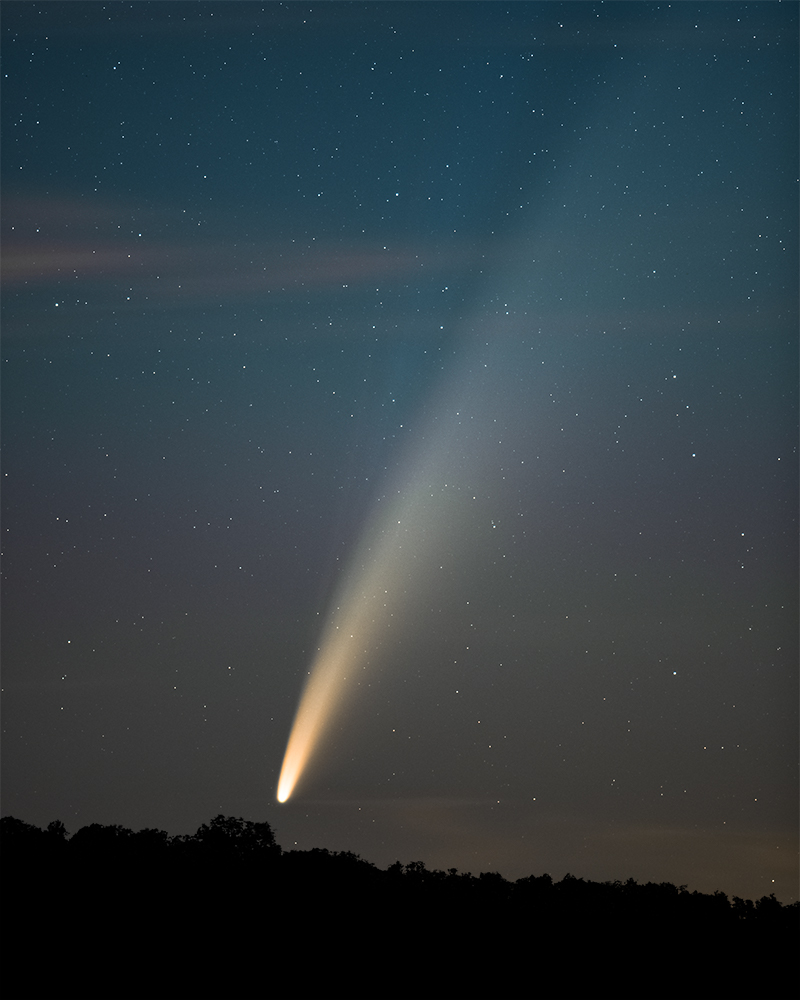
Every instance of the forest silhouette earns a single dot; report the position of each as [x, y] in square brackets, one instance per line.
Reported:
[225, 913]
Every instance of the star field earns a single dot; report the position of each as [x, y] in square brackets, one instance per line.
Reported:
[499, 299]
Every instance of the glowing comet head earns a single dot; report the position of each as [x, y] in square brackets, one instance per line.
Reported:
[322, 695]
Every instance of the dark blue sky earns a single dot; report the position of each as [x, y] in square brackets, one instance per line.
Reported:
[526, 274]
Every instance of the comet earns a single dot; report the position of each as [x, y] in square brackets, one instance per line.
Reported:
[368, 601]
[322, 694]
[437, 499]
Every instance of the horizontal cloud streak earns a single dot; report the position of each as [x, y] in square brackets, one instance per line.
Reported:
[47, 243]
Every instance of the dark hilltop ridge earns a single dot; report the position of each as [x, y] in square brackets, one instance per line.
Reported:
[226, 914]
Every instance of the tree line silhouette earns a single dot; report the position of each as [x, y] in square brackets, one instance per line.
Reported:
[225, 913]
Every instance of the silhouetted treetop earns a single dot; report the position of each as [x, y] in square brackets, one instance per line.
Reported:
[233, 835]
[147, 903]
[234, 840]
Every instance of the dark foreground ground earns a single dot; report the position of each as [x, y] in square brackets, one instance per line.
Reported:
[225, 914]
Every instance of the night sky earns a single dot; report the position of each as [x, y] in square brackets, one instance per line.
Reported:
[490, 309]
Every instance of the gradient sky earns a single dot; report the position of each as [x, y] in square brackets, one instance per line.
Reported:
[524, 275]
